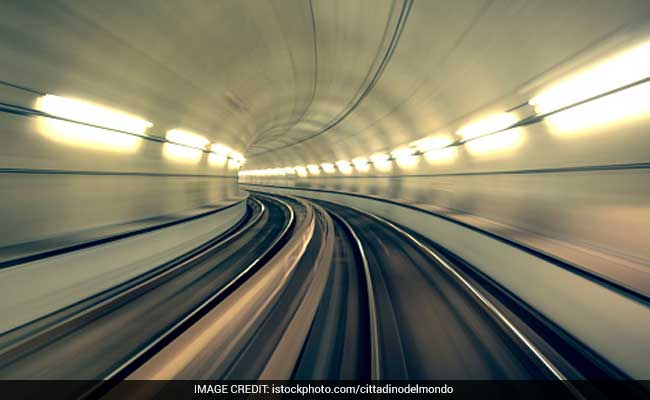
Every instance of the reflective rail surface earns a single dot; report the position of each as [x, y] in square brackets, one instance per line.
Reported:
[304, 290]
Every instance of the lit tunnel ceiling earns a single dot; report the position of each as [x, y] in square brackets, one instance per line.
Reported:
[298, 82]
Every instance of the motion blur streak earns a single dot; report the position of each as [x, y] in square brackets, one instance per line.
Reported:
[497, 142]
[627, 106]
[381, 162]
[487, 125]
[325, 189]
[78, 134]
[182, 153]
[217, 159]
[186, 138]
[73, 134]
[446, 154]
[90, 113]
[621, 70]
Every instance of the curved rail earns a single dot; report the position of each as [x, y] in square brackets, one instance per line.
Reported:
[629, 290]
[166, 337]
[232, 323]
[474, 291]
[121, 293]
[375, 362]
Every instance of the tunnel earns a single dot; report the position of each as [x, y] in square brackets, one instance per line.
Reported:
[325, 198]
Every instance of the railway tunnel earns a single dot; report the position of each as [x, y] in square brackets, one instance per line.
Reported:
[370, 191]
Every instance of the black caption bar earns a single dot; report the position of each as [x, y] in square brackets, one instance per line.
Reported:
[604, 389]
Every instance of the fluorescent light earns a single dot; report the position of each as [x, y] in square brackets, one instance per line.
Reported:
[301, 171]
[379, 157]
[289, 170]
[91, 113]
[216, 159]
[221, 149]
[381, 162]
[219, 155]
[617, 71]
[344, 166]
[487, 125]
[496, 143]
[361, 164]
[186, 138]
[313, 169]
[628, 104]
[328, 168]
[179, 152]
[270, 172]
[433, 142]
[402, 152]
[404, 157]
[76, 134]
[444, 154]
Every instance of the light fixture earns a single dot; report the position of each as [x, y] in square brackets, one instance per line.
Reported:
[186, 146]
[626, 105]
[221, 149]
[615, 72]
[487, 125]
[500, 142]
[344, 166]
[361, 164]
[187, 138]
[301, 171]
[402, 152]
[219, 155]
[431, 143]
[441, 155]
[405, 157]
[381, 162]
[233, 164]
[91, 113]
[79, 134]
[313, 169]
[328, 168]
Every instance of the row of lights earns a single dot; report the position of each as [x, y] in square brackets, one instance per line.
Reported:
[614, 89]
[82, 123]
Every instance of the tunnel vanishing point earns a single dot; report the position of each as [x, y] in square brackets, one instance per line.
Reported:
[379, 197]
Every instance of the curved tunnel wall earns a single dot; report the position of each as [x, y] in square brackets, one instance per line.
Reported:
[295, 82]
[560, 294]
[585, 188]
[572, 183]
[52, 186]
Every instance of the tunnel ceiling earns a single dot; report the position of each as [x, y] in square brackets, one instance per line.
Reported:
[291, 82]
